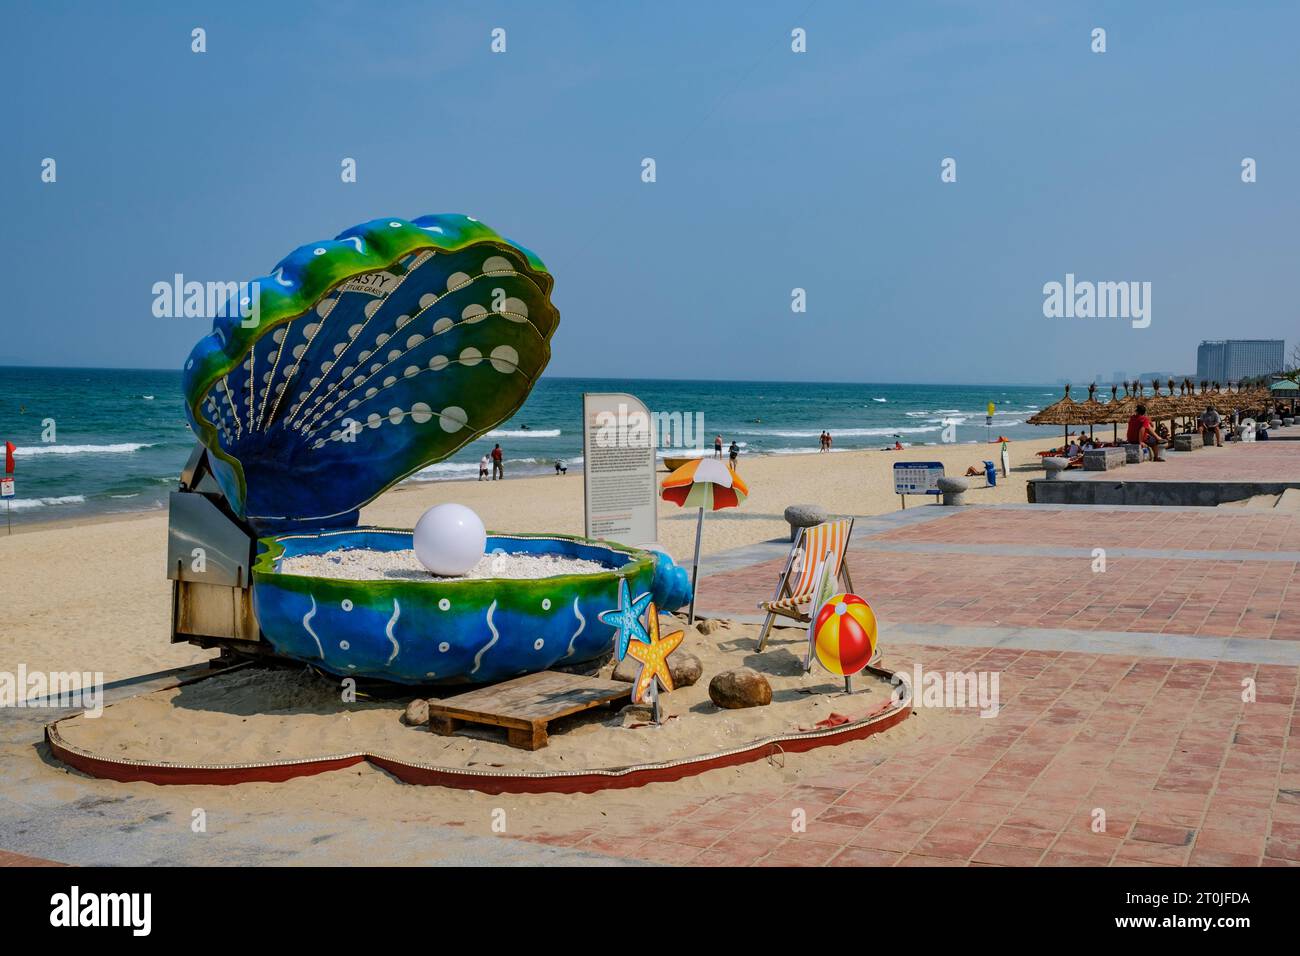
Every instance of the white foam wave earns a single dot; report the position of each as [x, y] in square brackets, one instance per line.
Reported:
[848, 432]
[23, 504]
[30, 451]
[525, 433]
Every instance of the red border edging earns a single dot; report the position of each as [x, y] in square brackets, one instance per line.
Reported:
[587, 781]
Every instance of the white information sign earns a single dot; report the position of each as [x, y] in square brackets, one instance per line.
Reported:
[621, 496]
[6, 487]
[917, 477]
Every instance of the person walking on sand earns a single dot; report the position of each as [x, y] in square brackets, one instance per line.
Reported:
[498, 467]
[483, 468]
[734, 452]
[717, 446]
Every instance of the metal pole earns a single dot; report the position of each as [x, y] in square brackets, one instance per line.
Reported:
[695, 568]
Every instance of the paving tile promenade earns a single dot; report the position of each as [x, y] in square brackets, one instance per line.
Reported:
[1148, 711]
[1189, 761]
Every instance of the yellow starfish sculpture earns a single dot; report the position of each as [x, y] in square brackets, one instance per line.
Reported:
[654, 656]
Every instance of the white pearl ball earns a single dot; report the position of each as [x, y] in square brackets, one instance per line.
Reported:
[449, 539]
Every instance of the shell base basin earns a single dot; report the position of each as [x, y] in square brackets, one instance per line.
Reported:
[467, 631]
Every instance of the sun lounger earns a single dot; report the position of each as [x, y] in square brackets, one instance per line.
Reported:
[794, 591]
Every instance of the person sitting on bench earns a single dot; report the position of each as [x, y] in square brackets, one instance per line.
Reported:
[1142, 432]
[1211, 424]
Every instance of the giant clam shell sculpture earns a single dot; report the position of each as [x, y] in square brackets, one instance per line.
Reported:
[364, 359]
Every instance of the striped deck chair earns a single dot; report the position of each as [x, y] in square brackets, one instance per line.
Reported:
[794, 590]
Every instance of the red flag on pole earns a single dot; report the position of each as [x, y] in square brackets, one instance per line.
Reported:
[9, 458]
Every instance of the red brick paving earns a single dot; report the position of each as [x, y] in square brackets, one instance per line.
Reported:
[1256, 461]
[17, 859]
[1252, 599]
[1185, 771]
[1165, 753]
[1203, 530]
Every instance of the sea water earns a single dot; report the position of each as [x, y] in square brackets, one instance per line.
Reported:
[121, 438]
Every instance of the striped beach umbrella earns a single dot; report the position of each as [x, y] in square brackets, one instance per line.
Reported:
[709, 485]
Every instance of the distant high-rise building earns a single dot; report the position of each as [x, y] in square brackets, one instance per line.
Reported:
[1230, 360]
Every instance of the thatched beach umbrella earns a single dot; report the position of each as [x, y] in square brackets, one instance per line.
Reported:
[1064, 412]
[1092, 412]
[1119, 409]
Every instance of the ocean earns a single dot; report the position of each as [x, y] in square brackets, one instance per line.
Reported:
[120, 437]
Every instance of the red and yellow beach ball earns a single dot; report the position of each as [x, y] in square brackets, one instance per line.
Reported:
[845, 634]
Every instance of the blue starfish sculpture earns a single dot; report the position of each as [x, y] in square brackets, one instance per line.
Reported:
[627, 618]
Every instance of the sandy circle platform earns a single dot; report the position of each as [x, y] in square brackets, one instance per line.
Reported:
[260, 724]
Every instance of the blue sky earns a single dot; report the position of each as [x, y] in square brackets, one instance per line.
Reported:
[775, 170]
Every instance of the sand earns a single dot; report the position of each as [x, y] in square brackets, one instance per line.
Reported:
[94, 596]
[365, 564]
[231, 718]
[276, 714]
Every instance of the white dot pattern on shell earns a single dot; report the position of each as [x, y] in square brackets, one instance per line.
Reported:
[503, 358]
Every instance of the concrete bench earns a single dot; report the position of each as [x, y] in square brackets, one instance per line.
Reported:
[1188, 441]
[804, 516]
[1103, 459]
[1132, 454]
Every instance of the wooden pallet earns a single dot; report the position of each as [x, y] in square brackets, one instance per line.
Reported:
[525, 705]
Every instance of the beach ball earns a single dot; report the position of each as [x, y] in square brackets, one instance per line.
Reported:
[449, 539]
[845, 634]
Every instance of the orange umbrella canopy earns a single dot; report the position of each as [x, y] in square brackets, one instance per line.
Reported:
[705, 483]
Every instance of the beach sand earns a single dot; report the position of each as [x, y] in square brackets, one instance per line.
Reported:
[94, 596]
[275, 715]
[259, 715]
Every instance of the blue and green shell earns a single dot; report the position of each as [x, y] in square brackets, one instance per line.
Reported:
[362, 359]
[437, 632]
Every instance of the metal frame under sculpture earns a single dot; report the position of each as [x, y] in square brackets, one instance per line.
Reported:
[355, 363]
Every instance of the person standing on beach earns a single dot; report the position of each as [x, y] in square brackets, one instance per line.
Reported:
[717, 446]
[498, 467]
[483, 468]
[734, 451]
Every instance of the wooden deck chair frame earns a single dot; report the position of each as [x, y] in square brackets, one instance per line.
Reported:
[784, 589]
